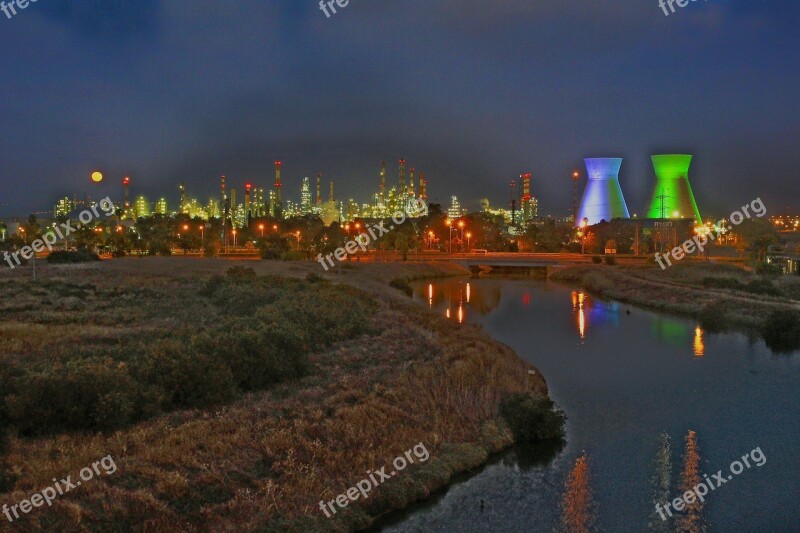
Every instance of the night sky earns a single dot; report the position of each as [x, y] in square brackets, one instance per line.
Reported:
[472, 92]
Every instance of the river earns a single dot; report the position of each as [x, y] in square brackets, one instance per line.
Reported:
[653, 403]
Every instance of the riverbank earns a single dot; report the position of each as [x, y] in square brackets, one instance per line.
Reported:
[264, 459]
[686, 290]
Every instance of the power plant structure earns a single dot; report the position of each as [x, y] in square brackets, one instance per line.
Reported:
[672, 195]
[602, 198]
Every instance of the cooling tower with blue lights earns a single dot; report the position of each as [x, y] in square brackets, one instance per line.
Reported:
[602, 199]
[672, 196]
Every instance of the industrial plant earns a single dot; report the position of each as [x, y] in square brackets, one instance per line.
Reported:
[672, 196]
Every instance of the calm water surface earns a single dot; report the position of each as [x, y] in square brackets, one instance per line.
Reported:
[628, 379]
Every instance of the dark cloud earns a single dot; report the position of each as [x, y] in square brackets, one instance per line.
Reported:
[106, 20]
[473, 92]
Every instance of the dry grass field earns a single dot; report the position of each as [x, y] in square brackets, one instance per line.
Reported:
[140, 359]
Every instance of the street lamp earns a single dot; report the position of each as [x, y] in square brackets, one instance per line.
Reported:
[298, 240]
[261, 227]
[202, 236]
[584, 223]
[430, 240]
[469, 236]
[449, 224]
[234, 240]
[461, 226]
[22, 230]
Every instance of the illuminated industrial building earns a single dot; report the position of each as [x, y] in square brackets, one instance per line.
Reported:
[141, 207]
[305, 197]
[455, 210]
[62, 207]
[672, 195]
[602, 198]
[161, 206]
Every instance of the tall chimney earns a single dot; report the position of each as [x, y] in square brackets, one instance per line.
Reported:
[513, 203]
[278, 201]
[247, 189]
[319, 190]
[423, 187]
[411, 190]
[330, 198]
[126, 185]
[402, 188]
[383, 181]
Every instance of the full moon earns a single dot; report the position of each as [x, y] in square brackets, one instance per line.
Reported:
[97, 177]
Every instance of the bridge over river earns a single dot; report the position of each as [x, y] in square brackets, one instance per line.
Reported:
[518, 263]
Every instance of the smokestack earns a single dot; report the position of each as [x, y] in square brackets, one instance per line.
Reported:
[602, 198]
[126, 186]
[319, 190]
[402, 188]
[330, 197]
[526, 186]
[411, 190]
[423, 187]
[672, 195]
[513, 188]
[278, 201]
[247, 188]
[224, 200]
[183, 197]
[383, 180]
[526, 195]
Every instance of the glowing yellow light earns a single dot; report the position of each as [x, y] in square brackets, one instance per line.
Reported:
[469, 291]
[97, 177]
[699, 345]
[460, 314]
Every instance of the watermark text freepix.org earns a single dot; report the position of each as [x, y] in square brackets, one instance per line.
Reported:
[700, 490]
[663, 4]
[10, 8]
[56, 234]
[415, 209]
[363, 487]
[59, 488]
[699, 241]
[325, 5]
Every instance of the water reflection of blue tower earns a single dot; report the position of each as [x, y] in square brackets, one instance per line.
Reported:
[589, 311]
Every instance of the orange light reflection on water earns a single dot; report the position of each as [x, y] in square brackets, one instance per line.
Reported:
[578, 299]
[699, 345]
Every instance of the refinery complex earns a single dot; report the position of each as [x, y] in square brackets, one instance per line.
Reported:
[602, 200]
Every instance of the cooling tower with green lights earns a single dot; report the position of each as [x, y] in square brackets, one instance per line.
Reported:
[672, 195]
[602, 199]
